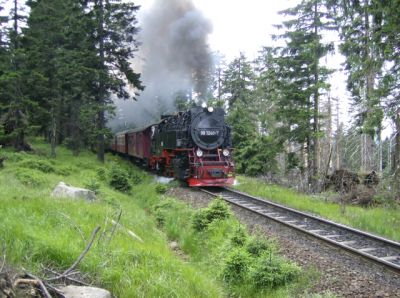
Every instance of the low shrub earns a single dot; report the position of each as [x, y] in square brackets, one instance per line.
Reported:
[161, 188]
[271, 272]
[119, 179]
[200, 221]
[239, 236]
[101, 173]
[93, 185]
[135, 177]
[37, 164]
[257, 245]
[236, 266]
[15, 156]
[160, 211]
[217, 210]
[63, 171]
[30, 177]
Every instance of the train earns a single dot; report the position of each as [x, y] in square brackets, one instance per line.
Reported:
[193, 146]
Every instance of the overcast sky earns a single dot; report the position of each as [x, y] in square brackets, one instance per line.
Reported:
[237, 25]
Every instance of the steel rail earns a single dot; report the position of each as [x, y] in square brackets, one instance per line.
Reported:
[282, 214]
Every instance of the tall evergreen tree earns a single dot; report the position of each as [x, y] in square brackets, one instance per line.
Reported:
[55, 61]
[4, 57]
[300, 77]
[359, 23]
[114, 30]
[14, 104]
[238, 81]
[390, 33]
[254, 150]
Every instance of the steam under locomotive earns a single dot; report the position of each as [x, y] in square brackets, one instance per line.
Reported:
[194, 146]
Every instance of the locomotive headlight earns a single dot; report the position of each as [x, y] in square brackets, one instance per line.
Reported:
[225, 152]
[204, 105]
[199, 152]
[210, 109]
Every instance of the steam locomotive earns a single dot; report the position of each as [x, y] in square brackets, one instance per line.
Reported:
[194, 146]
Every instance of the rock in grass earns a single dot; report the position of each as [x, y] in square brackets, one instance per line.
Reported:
[84, 292]
[63, 190]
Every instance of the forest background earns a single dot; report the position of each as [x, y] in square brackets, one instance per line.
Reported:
[63, 62]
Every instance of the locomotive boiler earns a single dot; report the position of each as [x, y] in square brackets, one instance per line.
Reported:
[193, 145]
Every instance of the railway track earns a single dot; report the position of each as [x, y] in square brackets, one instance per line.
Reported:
[377, 249]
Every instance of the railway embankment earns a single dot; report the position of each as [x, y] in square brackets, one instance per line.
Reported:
[44, 237]
[335, 270]
[133, 239]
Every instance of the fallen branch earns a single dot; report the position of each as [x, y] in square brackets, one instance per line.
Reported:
[84, 252]
[34, 282]
[59, 276]
[70, 271]
[67, 277]
[76, 226]
[115, 226]
[132, 234]
[104, 230]
[4, 259]
[54, 289]
[67, 273]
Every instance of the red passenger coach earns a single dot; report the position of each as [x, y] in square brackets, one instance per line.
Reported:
[135, 143]
[194, 146]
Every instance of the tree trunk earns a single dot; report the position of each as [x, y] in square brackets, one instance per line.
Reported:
[19, 142]
[339, 129]
[315, 163]
[380, 151]
[53, 133]
[367, 152]
[396, 155]
[367, 140]
[309, 163]
[101, 98]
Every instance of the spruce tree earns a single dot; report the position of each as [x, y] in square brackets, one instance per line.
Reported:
[238, 81]
[359, 23]
[47, 43]
[389, 32]
[238, 90]
[301, 79]
[114, 30]
[14, 104]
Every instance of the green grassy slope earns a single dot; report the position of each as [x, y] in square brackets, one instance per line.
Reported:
[219, 259]
[38, 230]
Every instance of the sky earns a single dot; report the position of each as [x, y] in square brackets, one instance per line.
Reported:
[238, 26]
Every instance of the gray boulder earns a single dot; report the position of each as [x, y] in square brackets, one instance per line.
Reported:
[63, 190]
[84, 292]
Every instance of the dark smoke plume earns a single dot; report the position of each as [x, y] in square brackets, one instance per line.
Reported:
[176, 58]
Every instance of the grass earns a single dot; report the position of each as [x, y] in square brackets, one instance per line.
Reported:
[224, 245]
[383, 221]
[38, 230]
